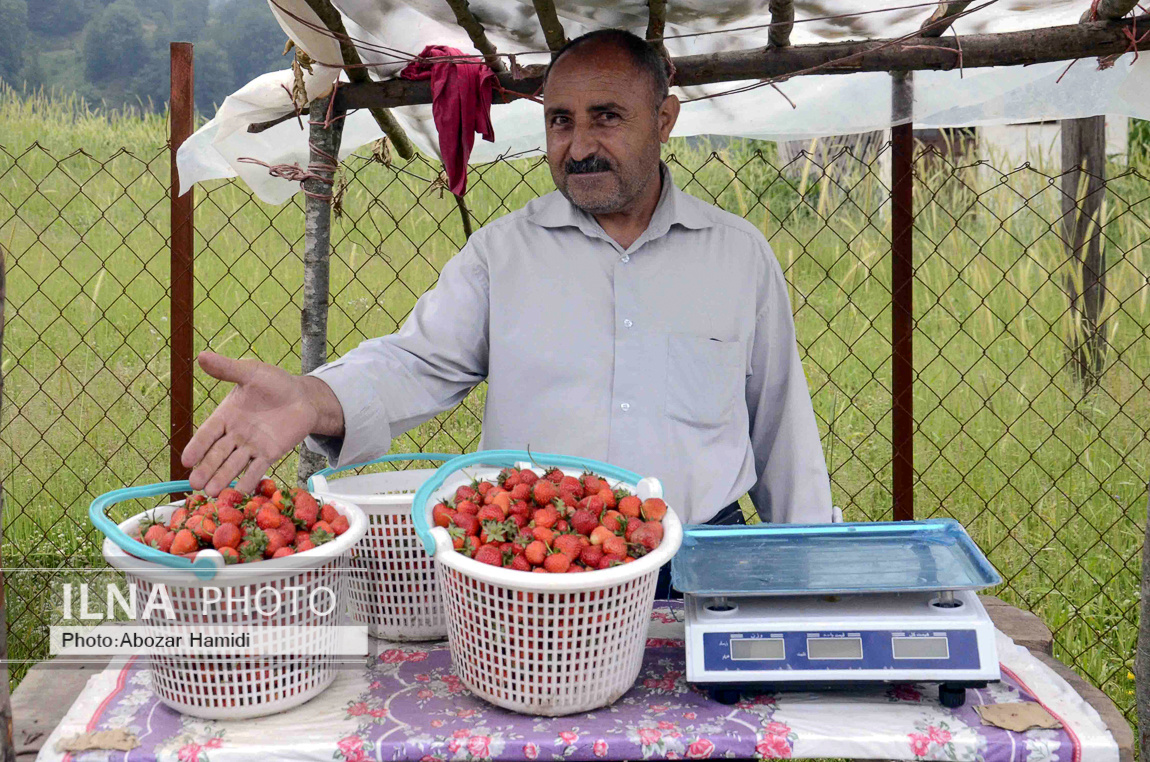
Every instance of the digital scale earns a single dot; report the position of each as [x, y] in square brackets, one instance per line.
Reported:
[828, 605]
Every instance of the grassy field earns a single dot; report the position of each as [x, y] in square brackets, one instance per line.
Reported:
[1049, 476]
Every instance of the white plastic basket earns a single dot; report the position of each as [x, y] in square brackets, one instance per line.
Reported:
[229, 687]
[543, 644]
[392, 584]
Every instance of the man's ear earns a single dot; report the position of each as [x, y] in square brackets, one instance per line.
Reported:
[668, 115]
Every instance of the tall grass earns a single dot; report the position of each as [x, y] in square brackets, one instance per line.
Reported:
[1048, 475]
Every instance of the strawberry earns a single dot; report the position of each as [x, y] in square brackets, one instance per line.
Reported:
[301, 536]
[252, 507]
[276, 543]
[467, 506]
[484, 487]
[226, 536]
[489, 554]
[544, 492]
[592, 484]
[328, 513]
[490, 513]
[528, 477]
[465, 493]
[544, 534]
[202, 527]
[508, 478]
[591, 556]
[600, 535]
[649, 535]
[554, 476]
[229, 514]
[306, 514]
[557, 563]
[614, 521]
[340, 525]
[165, 545]
[284, 551]
[269, 518]
[520, 491]
[520, 508]
[230, 555]
[266, 487]
[502, 500]
[520, 563]
[545, 517]
[568, 499]
[184, 542]
[629, 506]
[562, 526]
[568, 545]
[493, 531]
[610, 560]
[252, 548]
[300, 547]
[596, 505]
[155, 535]
[572, 485]
[467, 522]
[441, 514]
[287, 529]
[653, 509]
[632, 525]
[615, 545]
[177, 519]
[608, 497]
[229, 496]
[193, 501]
[520, 519]
[584, 521]
[536, 553]
[457, 536]
[470, 545]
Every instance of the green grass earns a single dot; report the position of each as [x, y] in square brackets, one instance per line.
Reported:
[1049, 477]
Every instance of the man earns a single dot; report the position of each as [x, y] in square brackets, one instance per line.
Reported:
[618, 319]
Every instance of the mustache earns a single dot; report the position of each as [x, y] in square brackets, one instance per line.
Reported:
[585, 166]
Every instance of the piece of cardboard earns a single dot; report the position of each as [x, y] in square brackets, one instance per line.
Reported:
[1017, 717]
[103, 740]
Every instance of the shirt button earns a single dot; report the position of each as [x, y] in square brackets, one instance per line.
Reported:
[628, 323]
[625, 407]
[624, 259]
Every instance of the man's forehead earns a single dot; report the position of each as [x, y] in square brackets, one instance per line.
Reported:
[596, 72]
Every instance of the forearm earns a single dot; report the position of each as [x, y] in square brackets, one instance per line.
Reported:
[328, 421]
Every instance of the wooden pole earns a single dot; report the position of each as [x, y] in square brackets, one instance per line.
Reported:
[181, 114]
[902, 290]
[7, 747]
[1099, 38]
[782, 22]
[1109, 9]
[943, 17]
[467, 21]
[1083, 190]
[317, 255]
[549, 22]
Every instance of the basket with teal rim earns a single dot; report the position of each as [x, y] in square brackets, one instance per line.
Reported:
[392, 584]
[543, 644]
[300, 643]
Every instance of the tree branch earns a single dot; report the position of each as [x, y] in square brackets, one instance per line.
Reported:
[1060, 43]
[656, 22]
[358, 75]
[1109, 10]
[782, 13]
[466, 19]
[549, 21]
[943, 17]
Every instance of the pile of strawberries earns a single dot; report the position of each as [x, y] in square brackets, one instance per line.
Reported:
[555, 524]
[273, 523]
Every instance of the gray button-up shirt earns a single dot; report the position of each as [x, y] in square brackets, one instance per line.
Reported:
[675, 357]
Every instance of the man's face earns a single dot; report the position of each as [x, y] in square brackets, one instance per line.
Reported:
[603, 128]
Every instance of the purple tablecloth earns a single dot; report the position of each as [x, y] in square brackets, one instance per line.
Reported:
[408, 705]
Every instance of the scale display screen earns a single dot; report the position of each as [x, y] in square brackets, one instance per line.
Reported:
[757, 648]
[834, 648]
[920, 648]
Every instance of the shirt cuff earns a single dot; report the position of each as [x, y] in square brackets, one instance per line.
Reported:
[366, 430]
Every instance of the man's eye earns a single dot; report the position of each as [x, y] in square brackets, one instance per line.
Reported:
[559, 121]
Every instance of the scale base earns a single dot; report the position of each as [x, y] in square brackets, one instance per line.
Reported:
[950, 694]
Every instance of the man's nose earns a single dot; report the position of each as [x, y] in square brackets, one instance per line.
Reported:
[583, 144]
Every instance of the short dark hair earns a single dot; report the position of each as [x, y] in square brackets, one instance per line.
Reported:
[644, 55]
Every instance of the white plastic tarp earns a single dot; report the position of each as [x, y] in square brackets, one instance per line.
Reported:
[823, 105]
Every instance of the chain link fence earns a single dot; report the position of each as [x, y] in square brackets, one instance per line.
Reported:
[1047, 469]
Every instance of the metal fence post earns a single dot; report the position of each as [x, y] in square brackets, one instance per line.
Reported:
[902, 289]
[181, 114]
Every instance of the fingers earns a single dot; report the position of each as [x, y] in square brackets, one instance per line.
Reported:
[210, 464]
[256, 470]
[224, 368]
[203, 439]
[230, 469]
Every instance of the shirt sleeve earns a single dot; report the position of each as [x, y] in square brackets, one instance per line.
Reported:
[793, 486]
[391, 384]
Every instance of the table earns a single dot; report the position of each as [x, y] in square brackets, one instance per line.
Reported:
[661, 718]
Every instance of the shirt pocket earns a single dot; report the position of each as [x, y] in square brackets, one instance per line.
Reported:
[704, 379]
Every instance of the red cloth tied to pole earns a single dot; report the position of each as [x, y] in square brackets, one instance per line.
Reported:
[460, 106]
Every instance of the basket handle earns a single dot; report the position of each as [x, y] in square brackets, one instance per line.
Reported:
[207, 563]
[505, 459]
[318, 480]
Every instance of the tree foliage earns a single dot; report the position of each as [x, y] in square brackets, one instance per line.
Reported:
[13, 36]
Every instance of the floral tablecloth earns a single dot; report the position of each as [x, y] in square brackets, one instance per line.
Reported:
[409, 706]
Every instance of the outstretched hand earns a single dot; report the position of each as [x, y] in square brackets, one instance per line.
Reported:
[266, 414]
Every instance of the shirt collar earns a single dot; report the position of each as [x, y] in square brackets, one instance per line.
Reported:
[673, 208]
